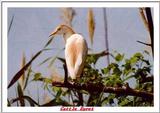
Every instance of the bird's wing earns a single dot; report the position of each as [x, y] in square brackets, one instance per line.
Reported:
[81, 56]
[70, 55]
[75, 54]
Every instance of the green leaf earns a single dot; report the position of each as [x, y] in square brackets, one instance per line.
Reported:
[37, 76]
[127, 71]
[124, 102]
[66, 92]
[138, 55]
[8, 102]
[55, 89]
[84, 91]
[45, 61]
[29, 99]
[127, 67]
[119, 57]
[105, 70]
[113, 65]
[49, 41]
[93, 58]
[52, 61]
[59, 93]
[147, 52]
[55, 103]
[27, 78]
[20, 94]
[47, 80]
[133, 60]
[110, 98]
[104, 101]
[117, 71]
[146, 61]
[45, 86]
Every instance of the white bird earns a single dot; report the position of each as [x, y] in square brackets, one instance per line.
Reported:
[75, 50]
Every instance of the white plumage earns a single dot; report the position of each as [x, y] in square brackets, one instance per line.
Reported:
[75, 50]
[75, 53]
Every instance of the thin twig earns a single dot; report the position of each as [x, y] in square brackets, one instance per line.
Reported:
[144, 43]
[10, 25]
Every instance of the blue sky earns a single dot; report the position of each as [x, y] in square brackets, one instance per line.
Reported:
[32, 26]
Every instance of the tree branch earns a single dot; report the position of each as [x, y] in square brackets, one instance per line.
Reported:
[151, 27]
[144, 43]
[101, 88]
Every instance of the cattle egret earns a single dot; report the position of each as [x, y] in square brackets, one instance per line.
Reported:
[75, 50]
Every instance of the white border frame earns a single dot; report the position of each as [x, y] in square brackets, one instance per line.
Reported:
[89, 0]
[6, 5]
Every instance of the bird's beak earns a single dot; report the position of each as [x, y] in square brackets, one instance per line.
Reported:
[53, 33]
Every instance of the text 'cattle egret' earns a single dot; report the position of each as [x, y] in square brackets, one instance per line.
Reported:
[75, 50]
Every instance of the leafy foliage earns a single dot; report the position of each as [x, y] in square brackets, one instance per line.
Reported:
[116, 74]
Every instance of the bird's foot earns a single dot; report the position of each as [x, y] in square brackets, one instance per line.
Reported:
[73, 82]
[77, 84]
[66, 82]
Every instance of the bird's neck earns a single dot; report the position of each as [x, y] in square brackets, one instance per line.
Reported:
[68, 33]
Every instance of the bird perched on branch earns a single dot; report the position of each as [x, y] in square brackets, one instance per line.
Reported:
[75, 50]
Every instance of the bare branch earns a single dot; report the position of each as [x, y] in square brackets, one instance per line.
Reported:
[144, 43]
[100, 88]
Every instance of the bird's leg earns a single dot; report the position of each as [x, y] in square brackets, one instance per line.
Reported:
[76, 82]
[80, 95]
[66, 74]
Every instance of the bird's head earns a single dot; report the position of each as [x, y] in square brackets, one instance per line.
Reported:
[62, 30]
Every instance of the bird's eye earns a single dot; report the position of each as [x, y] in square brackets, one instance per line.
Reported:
[59, 29]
